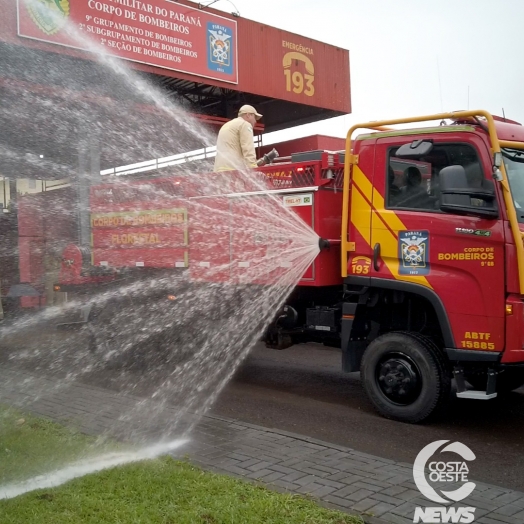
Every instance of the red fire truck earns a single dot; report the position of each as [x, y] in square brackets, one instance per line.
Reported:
[420, 276]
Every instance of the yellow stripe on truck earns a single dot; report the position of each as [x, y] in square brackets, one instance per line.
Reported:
[363, 183]
[361, 191]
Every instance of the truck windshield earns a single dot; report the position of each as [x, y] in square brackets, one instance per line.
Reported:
[514, 164]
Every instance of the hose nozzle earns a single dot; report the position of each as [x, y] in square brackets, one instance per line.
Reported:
[323, 243]
[268, 158]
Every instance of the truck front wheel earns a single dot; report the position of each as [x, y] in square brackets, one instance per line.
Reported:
[405, 376]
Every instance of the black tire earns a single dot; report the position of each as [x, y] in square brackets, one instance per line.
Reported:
[507, 380]
[417, 382]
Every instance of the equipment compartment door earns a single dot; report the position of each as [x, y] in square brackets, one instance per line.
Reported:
[262, 249]
[459, 258]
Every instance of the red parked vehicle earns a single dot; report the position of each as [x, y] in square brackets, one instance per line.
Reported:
[420, 276]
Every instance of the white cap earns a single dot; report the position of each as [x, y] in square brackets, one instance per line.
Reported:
[249, 109]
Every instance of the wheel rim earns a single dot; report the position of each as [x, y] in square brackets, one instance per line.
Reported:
[399, 378]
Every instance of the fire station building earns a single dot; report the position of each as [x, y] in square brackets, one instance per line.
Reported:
[92, 87]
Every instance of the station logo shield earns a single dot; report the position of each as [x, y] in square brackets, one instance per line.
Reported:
[48, 15]
[220, 48]
[413, 252]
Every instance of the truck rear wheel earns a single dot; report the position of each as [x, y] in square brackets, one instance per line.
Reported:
[405, 376]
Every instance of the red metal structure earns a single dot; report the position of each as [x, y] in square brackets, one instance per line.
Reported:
[148, 223]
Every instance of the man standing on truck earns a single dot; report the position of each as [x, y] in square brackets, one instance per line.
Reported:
[235, 147]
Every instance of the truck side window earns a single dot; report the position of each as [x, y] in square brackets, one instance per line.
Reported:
[413, 184]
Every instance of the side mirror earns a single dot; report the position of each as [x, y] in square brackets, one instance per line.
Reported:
[416, 149]
[458, 198]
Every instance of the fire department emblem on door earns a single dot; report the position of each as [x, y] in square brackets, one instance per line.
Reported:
[49, 15]
[413, 252]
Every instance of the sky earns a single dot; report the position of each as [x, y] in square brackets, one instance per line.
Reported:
[409, 57]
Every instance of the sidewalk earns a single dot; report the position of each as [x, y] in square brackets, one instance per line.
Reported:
[381, 490]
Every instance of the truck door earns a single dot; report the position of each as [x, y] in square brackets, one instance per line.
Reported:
[457, 260]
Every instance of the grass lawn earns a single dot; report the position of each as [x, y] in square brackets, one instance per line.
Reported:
[162, 491]
[31, 446]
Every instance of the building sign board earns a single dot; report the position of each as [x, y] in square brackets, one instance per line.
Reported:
[160, 33]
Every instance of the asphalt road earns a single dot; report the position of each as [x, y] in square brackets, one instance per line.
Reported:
[301, 389]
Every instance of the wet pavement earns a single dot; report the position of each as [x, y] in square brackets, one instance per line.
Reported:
[304, 400]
